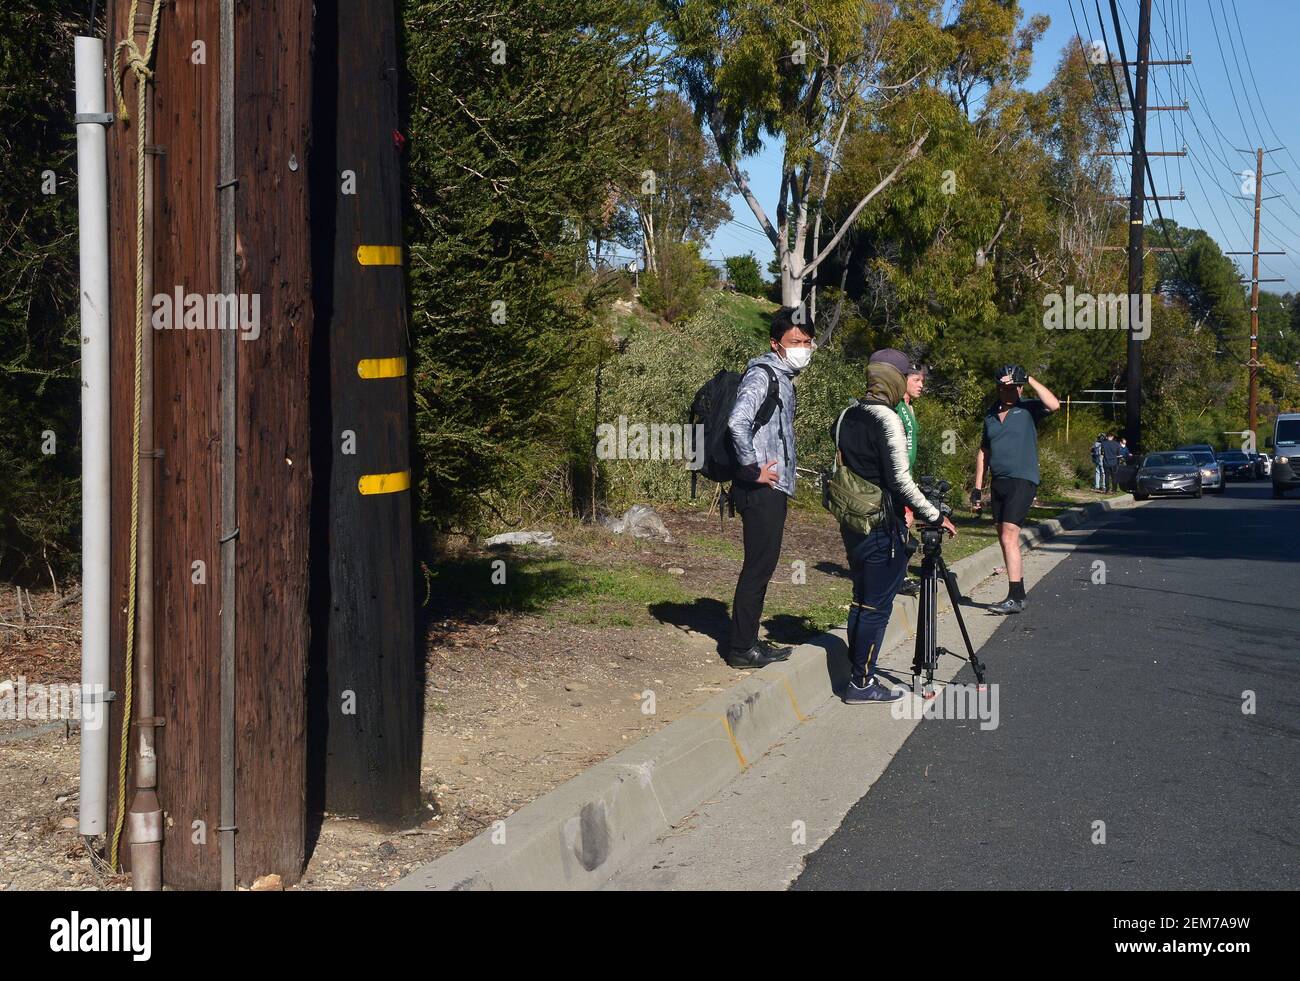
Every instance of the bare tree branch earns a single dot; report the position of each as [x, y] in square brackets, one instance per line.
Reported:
[908, 157]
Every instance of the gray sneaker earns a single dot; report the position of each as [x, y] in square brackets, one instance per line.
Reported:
[1008, 605]
[870, 693]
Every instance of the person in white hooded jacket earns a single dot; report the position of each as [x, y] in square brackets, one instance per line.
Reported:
[871, 442]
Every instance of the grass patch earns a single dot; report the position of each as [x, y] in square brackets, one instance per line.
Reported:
[751, 314]
[621, 597]
[793, 614]
[614, 595]
[719, 546]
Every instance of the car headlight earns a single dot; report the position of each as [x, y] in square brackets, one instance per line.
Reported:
[1282, 459]
[1207, 473]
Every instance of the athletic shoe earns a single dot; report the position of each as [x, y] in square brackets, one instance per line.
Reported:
[910, 587]
[1008, 605]
[873, 691]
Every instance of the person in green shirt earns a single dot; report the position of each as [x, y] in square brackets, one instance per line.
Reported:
[915, 377]
[915, 386]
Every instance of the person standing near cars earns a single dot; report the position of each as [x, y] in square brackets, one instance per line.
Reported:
[1110, 454]
[766, 480]
[1098, 466]
[1009, 447]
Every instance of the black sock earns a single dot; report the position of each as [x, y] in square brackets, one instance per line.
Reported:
[1017, 590]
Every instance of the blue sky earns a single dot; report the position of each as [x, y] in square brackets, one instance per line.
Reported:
[1238, 99]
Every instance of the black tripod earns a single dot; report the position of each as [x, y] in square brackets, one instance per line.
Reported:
[927, 633]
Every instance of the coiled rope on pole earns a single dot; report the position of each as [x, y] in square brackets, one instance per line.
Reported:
[138, 63]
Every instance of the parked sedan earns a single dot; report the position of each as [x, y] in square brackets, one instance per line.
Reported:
[1212, 481]
[1236, 465]
[1168, 473]
[1263, 465]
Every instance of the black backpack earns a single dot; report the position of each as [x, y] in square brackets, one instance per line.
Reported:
[712, 407]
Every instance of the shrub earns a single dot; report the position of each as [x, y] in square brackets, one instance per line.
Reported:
[745, 275]
[1056, 473]
[501, 334]
[652, 379]
[39, 313]
[676, 289]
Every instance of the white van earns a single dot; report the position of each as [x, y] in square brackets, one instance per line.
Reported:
[1285, 444]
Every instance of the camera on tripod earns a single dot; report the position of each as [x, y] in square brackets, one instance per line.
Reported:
[936, 492]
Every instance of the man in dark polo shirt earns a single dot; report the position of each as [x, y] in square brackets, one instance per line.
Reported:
[1009, 445]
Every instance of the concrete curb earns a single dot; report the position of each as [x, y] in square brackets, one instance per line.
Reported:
[576, 836]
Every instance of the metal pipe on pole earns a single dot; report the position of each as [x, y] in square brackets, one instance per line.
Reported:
[92, 235]
[144, 821]
[144, 830]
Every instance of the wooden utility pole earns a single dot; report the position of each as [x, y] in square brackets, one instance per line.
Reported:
[1254, 299]
[1252, 365]
[255, 456]
[1137, 91]
[366, 679]
[1133, 373]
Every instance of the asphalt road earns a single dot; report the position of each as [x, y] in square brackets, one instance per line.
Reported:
[1118, 702]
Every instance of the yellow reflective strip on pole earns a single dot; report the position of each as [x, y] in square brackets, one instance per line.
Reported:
[379, 255]
[384, 483]
[381, 367]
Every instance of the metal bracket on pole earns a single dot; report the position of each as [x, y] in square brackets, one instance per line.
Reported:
[102, 118]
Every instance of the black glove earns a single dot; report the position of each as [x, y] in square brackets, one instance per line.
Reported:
[976, 497]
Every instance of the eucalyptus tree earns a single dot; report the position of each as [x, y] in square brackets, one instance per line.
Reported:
[800, 73]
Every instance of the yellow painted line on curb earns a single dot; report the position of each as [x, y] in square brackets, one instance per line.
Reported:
[384, 483]
[740, 757]
[794, 702]
[379, 255]
[381, 367]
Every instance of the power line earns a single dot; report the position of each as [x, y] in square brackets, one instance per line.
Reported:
[1239, 74]
[1146, 163]
[1255, 84]
[1223, 152]
[1083, 9]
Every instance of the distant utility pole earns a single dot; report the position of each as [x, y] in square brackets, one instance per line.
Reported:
[1253, 364]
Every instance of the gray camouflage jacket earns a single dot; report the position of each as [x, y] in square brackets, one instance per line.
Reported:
[775, 441]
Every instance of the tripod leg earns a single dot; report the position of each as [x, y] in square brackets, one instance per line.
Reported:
[954, 596]
[930, 590]
[918, 651]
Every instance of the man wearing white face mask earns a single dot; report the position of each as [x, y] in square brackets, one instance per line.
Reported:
[766, 478]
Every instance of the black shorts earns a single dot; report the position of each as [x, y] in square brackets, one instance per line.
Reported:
[1012, 497]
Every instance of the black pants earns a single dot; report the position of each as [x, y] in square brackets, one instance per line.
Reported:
[1111, 474]
[762, 514]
